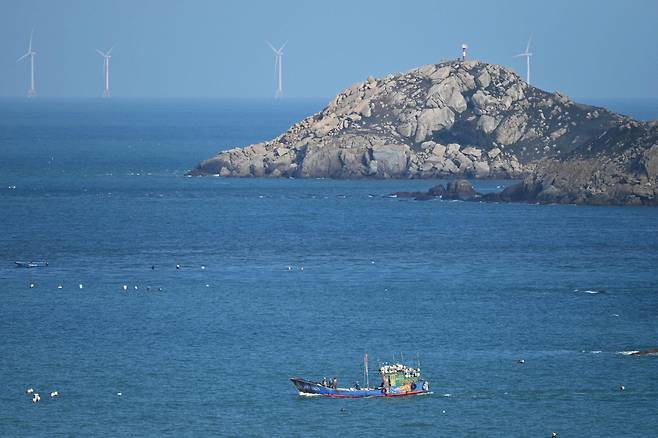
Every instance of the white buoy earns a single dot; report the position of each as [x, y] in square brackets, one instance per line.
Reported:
[622, 387]
[290, 268]
[59, 286]
[520, 361]
[54, 394]
[136, 287]
[80, 285]
[29, 391]
[207, 285]
[203, 267]
[177, 266]
[119, 394]
[31, 285]
[36, 397]
[301, 269]
[125, 287]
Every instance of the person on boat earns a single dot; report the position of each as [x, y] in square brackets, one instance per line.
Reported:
[324, 382]
[334, 384]
[356, 385]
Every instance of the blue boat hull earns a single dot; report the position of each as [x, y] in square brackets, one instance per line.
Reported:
[308, 388]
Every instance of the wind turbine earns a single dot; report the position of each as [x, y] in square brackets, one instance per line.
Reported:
[106, 71]
[278, 68]
[32, 91]
[527, 55]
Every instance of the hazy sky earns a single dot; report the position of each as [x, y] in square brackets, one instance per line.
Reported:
[217, 48]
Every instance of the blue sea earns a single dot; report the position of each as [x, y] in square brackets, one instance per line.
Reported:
[97, 188]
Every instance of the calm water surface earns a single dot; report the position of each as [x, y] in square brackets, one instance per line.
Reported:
[467, 288]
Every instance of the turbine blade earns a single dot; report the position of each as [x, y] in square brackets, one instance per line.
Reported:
[271, 46]
[527, 48]
[110, 51]
[23, 57]
[520, 54]
[284, 44]
[101, 53]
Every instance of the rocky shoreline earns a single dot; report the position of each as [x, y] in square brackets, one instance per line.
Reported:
[463, 120]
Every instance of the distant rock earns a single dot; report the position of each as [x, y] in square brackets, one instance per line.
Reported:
[463, 119]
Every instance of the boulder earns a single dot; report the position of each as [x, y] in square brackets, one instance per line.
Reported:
[432, 120]
[391, 159]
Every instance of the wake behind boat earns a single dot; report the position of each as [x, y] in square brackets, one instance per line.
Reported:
[397, 380]
[32, 264]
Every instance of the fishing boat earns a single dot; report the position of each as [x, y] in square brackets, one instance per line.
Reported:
[31, 264]
[397, 380]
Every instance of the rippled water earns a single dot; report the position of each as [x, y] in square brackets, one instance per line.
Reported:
[467, 288]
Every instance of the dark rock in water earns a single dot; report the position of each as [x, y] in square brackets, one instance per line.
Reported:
[460, 190]
[464, 120]
[424, 197]
[438, 190]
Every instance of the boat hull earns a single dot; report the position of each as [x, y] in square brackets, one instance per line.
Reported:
[308, 388]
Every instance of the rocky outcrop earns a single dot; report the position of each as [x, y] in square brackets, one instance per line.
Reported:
[462, 119]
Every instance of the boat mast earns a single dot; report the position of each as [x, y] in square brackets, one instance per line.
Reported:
[365, 370]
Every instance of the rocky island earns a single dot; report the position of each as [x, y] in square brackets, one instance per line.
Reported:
[464, 119]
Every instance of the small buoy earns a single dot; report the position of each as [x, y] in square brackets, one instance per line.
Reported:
[31, 285]
[36, 397]
[136, 287]
[443, 411]
[160, 289]
[29, 391]
[554, 435]
[125, 287]
[54, 394]
[203, 267]
[372, 262]
[59, 286]
[520, 361]
[290, 268]
[80, 285]
[301, 269]
[207, 285]
[119, 394]
[622, 387]
[177, 266]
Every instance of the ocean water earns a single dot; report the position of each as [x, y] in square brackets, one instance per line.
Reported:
[97, 189]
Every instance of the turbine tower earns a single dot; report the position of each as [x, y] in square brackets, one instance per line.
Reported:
[527, 55]
[31, 92]
[106, 71]
[278, 69]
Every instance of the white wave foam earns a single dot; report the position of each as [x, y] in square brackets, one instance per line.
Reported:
[628, 353]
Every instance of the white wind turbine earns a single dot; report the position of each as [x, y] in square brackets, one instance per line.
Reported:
[527, 55]
[32, 90]
[106, 71]
[278, 68]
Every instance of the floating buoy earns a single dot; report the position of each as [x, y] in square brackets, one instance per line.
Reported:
[54, 394]
[203, 267]
[301, 269]
[36, 397]
[59, 286]
[136, 287]
[520, 361]
[177, 266]
[207, 285]
[125, 287]
[119, 394]
[29, 391]
[290, 268]
[31, 285]
[622, 387]
[80, 285]
[160, 289]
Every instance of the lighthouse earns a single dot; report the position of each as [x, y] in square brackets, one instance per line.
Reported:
[464, 49]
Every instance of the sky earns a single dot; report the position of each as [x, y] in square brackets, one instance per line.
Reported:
[211, 48]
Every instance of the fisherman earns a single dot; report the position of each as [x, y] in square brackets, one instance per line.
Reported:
[356, 385]
[324, 382]
[334, 384]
